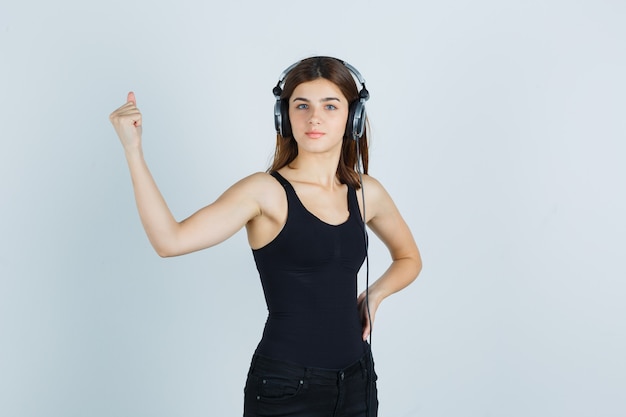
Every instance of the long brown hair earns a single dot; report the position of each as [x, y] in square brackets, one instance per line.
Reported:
[335, 71]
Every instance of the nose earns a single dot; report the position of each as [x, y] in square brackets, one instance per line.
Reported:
[314, 119]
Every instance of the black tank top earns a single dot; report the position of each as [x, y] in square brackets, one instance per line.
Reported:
[309, 277]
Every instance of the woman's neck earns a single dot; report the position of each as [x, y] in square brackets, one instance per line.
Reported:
[318, 169]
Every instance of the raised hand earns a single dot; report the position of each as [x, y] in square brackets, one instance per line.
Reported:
[127, 123]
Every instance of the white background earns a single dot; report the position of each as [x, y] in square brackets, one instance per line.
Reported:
[498, 128]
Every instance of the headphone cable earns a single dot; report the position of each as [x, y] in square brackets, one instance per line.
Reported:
[367, 282]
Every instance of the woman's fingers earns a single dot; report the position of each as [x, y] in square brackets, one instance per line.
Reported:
[128, 110]
[365, 317]
[127, 121]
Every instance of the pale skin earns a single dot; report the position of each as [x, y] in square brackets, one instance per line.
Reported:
[318, 112]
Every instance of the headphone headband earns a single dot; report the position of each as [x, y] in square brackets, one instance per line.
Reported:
[355, 126]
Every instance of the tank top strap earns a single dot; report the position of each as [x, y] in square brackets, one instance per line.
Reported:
[353, 205]
[292, 197]
[280, 179]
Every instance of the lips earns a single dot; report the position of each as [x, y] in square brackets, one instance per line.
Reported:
[314, 134]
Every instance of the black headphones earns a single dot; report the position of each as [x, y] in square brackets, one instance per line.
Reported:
[355, 127]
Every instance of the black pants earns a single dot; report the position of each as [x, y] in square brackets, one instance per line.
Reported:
[276, 388]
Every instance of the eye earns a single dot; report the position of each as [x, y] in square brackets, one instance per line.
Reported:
[331, 107]
[302, 106]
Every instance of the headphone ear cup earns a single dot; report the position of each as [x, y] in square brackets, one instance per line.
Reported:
[278, 118]
[285, 127]
[355, 126]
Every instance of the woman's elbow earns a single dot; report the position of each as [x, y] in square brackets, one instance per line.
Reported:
[165, 251]
[164, 254]
[417, 265]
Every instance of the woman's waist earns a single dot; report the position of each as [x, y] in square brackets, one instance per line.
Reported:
[264, 365]
[320, 354]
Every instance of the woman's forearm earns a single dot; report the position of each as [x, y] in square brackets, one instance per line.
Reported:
[156, 217]
[399, 275]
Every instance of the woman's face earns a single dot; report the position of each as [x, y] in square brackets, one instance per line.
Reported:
[318, 112]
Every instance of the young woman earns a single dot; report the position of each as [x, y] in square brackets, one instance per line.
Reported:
[305, 223]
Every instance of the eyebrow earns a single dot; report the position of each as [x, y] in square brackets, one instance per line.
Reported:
[324, 100]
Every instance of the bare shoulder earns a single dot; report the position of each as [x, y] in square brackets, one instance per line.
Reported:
[371, 183]
[263, 188]
[254, 193]
[377, 199]
[258, 178]
[374, 190]
[258, 183]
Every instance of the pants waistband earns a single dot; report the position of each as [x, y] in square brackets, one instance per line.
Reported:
[264, 365]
